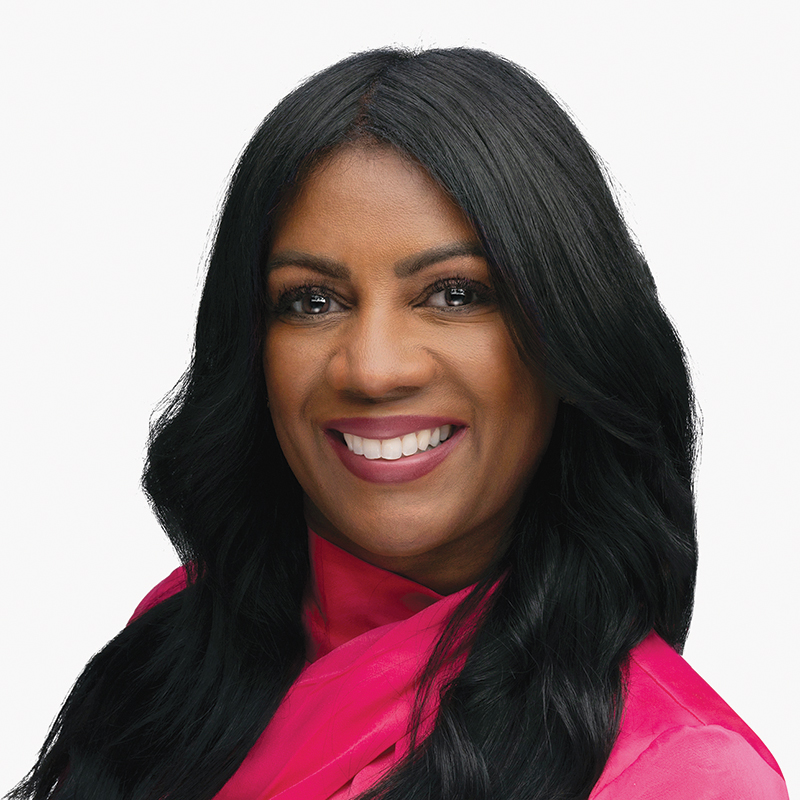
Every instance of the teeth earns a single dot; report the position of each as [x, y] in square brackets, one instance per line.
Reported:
[423, 440]
[372, 448]
[392, 449]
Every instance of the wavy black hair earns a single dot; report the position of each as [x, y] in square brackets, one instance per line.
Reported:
[602, 550]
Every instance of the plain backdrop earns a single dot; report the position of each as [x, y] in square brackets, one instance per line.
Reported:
[121, 122]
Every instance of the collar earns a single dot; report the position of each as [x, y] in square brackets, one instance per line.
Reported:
[348, 597]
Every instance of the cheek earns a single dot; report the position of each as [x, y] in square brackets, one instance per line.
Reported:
[525, 407]
[293, 363]
[284, 377]
[284, 402]
[504, 380]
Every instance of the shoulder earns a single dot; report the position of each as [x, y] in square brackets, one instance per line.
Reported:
[679, 739]
[172, 584]
[686, 763]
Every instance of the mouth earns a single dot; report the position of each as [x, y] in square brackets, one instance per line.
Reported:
[397, 451]
[399, 446]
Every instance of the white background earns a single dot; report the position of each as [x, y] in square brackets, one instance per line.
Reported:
[121, 122]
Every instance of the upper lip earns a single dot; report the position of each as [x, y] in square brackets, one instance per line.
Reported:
[388, 427]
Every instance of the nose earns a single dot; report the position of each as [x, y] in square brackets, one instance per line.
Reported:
[380, 356]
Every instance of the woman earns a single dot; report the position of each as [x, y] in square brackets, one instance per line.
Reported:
[430, 476]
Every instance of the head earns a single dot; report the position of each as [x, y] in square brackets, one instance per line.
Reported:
[396, 390]
[578, 307]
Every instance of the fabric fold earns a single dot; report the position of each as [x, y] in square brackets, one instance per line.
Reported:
[348, 711]
[344, 723]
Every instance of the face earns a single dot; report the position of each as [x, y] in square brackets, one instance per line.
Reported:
[384, 339]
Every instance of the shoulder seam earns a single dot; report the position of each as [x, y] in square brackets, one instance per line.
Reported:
[668, 691]
[670, 732]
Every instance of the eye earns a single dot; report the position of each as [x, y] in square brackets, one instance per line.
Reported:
[311, 303]
[307, 301]
[457, 296]
[453, 293]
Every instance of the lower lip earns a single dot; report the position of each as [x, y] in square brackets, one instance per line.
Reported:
[400, 470]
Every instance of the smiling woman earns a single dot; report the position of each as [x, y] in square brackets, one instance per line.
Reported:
[430, 477]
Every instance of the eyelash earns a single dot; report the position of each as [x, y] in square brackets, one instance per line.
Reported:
[482, 295]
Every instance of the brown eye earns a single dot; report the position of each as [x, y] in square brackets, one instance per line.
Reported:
[307, 301]
[458, 296]
[314, 303]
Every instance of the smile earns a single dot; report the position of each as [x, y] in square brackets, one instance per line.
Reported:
[393, 449]
[399, 446]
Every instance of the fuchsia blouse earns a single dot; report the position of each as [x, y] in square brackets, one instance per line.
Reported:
[344, 722]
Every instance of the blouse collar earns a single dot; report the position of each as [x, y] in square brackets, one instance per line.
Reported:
[348, 597]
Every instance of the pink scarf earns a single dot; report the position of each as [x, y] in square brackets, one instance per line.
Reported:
[344, 722]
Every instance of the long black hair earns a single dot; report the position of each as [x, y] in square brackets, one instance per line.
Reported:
[603, 547]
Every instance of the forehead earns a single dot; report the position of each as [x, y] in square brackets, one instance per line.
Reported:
[370, 191]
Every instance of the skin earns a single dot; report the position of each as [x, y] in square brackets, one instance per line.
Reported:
[353, 334]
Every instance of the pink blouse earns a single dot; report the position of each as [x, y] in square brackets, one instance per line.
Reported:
[344, 722]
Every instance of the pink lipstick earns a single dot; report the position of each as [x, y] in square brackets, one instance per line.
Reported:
[392, 469]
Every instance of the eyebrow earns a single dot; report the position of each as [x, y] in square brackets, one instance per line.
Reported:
[294, 258]
[404, 268]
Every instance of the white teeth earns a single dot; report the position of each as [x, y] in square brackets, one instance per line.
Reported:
[392, 449]
[423, 440]
[372, 448]
[409, 444]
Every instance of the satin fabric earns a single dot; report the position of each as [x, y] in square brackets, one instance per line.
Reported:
[344, 722]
